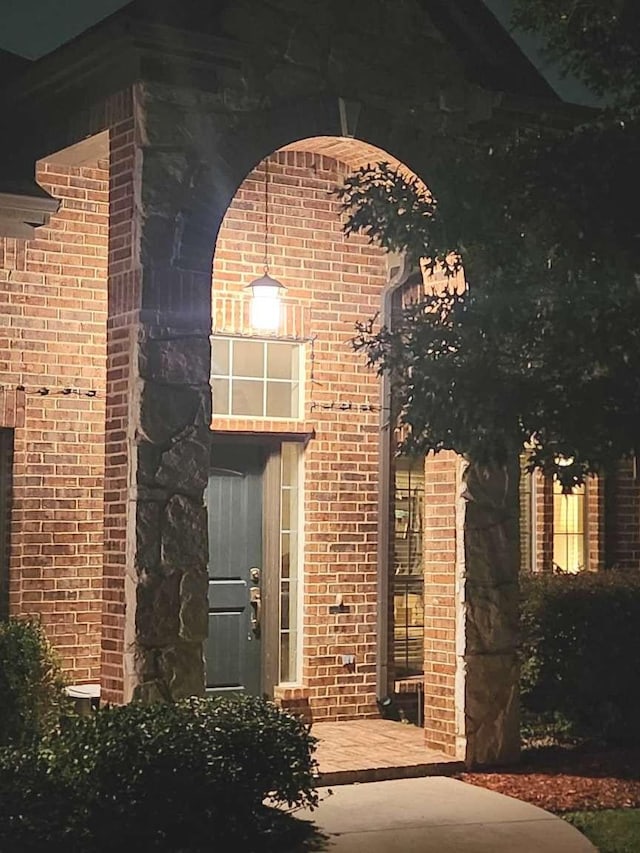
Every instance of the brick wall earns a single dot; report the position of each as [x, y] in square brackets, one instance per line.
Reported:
[52, 321]
[440, 556]
[124, 297]
[622, 490]
[334, 282]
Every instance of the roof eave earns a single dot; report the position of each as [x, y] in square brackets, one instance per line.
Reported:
[22, 213]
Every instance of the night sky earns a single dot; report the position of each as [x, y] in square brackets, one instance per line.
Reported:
[35, 27]
[32, 28]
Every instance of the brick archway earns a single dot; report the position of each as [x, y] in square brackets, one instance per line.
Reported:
[185, 198]
[192, 101]
[463, 685]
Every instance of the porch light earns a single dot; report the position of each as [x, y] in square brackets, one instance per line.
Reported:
[265, 302]
[266, 291]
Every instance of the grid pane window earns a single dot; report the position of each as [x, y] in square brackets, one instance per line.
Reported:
[408, 579]
[248, 358]
[220, 356]
[252, 378]
[246, 397]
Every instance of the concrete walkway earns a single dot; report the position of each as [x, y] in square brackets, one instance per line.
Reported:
[435, 815]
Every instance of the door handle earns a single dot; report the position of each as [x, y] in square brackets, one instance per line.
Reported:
[255, 599]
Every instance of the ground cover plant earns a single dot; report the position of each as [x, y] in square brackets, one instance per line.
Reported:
[612, 831]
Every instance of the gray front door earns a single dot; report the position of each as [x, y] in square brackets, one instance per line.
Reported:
[234, 501]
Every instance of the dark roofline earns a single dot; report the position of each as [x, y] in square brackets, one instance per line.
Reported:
[126, 47]
[12, 65]
[490, 56]
[112, 54]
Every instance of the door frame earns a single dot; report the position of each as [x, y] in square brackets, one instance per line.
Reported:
[270, 667]
[271, 444]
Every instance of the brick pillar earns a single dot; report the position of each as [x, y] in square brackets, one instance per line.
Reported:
[442, 491]
[158, 419]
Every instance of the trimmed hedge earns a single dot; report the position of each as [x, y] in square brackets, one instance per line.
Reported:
[580, 651]
[171, 777]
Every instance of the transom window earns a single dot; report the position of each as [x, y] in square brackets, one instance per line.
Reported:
[254, 378]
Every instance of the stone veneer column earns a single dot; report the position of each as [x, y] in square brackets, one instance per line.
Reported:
[488, 666]
[166, 590]
[158, 418]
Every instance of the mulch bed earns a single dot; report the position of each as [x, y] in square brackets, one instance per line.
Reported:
[569, 779]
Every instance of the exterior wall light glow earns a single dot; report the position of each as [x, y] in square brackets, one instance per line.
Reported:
[266, 291]
[265, 303]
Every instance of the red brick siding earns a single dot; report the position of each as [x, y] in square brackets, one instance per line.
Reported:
[440, 544]
[124, 298]
[336, 282]
[595, 524]
[53, 312]
[622, 489]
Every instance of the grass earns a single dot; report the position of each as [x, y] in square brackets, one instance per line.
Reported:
[611, 830]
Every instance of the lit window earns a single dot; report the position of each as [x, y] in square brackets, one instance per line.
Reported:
[553, 526]
[569, 552]
[408, 580]
[253, 378]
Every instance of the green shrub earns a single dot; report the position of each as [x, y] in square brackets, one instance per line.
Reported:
[174, 777]
[38, 805]
[31, 686]
[580, 650]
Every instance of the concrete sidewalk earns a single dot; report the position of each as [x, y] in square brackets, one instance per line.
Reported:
[435, 815]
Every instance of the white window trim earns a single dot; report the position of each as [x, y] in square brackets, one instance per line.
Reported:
[230, 376]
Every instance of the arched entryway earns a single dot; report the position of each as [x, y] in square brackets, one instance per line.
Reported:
[305, 565]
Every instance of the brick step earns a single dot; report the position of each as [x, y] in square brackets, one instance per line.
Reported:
[382, 774]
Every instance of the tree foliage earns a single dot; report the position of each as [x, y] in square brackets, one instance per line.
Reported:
[543, 348]
[597, 41]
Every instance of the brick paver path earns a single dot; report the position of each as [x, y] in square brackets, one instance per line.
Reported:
[374, 750]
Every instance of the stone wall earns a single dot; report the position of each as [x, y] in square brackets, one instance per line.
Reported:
[490, 615]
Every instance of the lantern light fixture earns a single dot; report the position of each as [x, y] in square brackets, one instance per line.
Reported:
[266, 291]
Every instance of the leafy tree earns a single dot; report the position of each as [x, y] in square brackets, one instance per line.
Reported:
[543, 347]
[597, 41]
